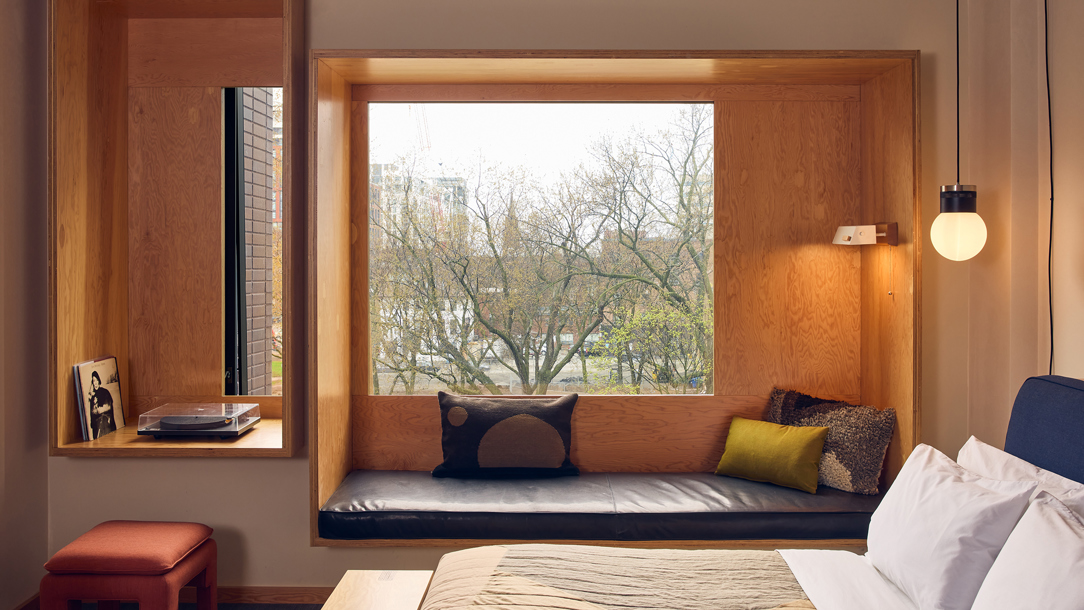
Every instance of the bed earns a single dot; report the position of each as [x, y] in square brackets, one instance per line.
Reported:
[1037, 483]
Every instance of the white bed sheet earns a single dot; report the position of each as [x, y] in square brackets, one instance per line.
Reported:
[841, 580]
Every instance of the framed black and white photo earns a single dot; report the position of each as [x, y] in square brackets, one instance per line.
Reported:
[101, 410]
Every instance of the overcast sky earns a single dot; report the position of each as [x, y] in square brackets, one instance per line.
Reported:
[548, 138]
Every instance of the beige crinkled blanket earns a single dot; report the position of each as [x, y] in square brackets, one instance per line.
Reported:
[572, 577]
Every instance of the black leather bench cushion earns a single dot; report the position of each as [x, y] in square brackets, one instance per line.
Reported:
[592, 506]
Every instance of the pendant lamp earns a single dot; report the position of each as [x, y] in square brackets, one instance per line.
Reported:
[958, 233]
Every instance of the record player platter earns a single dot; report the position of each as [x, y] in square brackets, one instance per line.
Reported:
[193, 422]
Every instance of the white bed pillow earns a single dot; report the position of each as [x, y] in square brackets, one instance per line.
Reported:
[939, 527]
[993, 463]
[1041, 564]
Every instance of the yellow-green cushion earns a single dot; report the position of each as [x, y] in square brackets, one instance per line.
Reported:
[763, 451]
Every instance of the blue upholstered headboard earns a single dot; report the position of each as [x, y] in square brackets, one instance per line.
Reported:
[1046, 427]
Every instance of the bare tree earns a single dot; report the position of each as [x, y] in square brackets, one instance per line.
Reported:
[656, 197]
[508, 274]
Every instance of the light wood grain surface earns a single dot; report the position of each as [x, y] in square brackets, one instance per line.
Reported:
[295, 223]
[112, 230]
[194, 9]
[609, 433]
[175, 241]
[786, 300]
[602, 92]
[360, 323]
[220, 52]
[96, 201]
[264, 440]
[794, 151]
[626, 67]
[329, 309]
[88, 209]
[380, 590]
[890, 330]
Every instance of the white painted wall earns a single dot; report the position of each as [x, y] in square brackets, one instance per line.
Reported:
[23, 325]
[983, 321]
[1067, 83]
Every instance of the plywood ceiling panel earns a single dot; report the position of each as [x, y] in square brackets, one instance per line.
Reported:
[205, 53]
[526, 67]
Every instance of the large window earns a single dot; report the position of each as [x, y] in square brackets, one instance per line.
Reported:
[521, 248]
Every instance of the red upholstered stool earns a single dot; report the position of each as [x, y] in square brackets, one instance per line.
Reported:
[143, 561]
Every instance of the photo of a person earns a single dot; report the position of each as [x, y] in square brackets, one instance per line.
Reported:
[101, 408]
[99, 388]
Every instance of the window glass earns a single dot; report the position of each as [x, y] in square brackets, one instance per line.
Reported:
[541, 248]
[253, 240]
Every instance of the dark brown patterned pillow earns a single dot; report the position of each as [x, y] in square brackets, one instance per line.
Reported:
[858, 437]
[486, 437]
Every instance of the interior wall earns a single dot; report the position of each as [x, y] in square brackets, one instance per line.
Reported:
[23, 323]
[1067, 91]
[259, 507]
[1001, 159]
[891, 276]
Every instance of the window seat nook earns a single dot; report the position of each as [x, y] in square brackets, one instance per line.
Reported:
[385, 504]
[795, 145]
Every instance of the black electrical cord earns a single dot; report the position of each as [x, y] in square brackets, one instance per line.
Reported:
[958, 91]
[1050, 131]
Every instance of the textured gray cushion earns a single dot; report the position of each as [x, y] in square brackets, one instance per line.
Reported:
[858, 437]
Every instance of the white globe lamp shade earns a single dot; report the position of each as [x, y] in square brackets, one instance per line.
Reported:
[958, 233]
[958, 236]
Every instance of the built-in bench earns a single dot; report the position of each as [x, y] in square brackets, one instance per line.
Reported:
[387, 504]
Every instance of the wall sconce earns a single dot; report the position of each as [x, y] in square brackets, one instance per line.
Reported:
[885, 233]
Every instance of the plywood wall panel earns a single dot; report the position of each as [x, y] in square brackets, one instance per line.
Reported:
[426, 66]
[890, 275]
[87, 191]
[329, 310]
[601, 93]
[786, 300]
[360, 325]
[192, 9]
[219, 52]
[294, 208]
[609, 433]
[175, 241]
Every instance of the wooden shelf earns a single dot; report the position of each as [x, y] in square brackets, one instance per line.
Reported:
[265, 440]
[135, 209]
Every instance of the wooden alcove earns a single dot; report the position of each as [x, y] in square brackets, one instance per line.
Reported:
[136, 212]
[804, 142]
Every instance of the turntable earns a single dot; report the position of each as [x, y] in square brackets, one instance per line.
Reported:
[224, 420]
